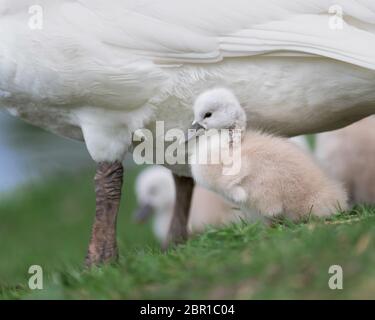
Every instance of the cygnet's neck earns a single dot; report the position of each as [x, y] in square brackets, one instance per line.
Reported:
[238, 129]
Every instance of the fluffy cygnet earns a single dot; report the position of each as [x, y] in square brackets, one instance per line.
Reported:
[275, 177]
[155, 191]
[348, 155]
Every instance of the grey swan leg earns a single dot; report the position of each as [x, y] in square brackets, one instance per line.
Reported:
[103, 245]
[178, 231]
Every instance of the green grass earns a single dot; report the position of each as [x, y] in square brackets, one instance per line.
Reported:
[49, 225]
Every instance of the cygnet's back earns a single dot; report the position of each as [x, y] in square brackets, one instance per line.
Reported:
[276, 178]
[348, 155]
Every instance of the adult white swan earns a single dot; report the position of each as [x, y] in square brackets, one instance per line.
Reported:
[98, 70]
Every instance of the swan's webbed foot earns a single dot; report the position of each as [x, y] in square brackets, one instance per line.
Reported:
[108, 183]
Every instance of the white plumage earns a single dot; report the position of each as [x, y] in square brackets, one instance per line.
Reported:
[100, 70]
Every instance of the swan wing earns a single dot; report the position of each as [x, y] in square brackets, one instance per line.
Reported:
[202, 31]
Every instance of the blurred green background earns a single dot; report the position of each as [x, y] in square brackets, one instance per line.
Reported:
[47, 206]
[47, 202]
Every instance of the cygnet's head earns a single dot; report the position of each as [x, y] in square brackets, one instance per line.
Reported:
[155, 192]
[218, 109]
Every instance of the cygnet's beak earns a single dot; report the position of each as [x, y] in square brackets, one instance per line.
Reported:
[143, 213]
[195, 129]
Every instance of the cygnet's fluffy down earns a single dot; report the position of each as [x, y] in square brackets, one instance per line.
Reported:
[276, 178]
[348, 155]
[155, 192]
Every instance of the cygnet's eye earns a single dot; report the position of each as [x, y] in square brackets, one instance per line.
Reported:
[207, 115]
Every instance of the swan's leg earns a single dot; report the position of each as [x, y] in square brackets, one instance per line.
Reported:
[178, 231]
[108, 184]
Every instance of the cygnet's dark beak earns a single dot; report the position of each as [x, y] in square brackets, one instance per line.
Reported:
[143, 213]
[195, 129]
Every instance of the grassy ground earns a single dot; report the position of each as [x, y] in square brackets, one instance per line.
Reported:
[49, 225]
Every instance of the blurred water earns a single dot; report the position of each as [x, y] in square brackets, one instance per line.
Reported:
[28, 153]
